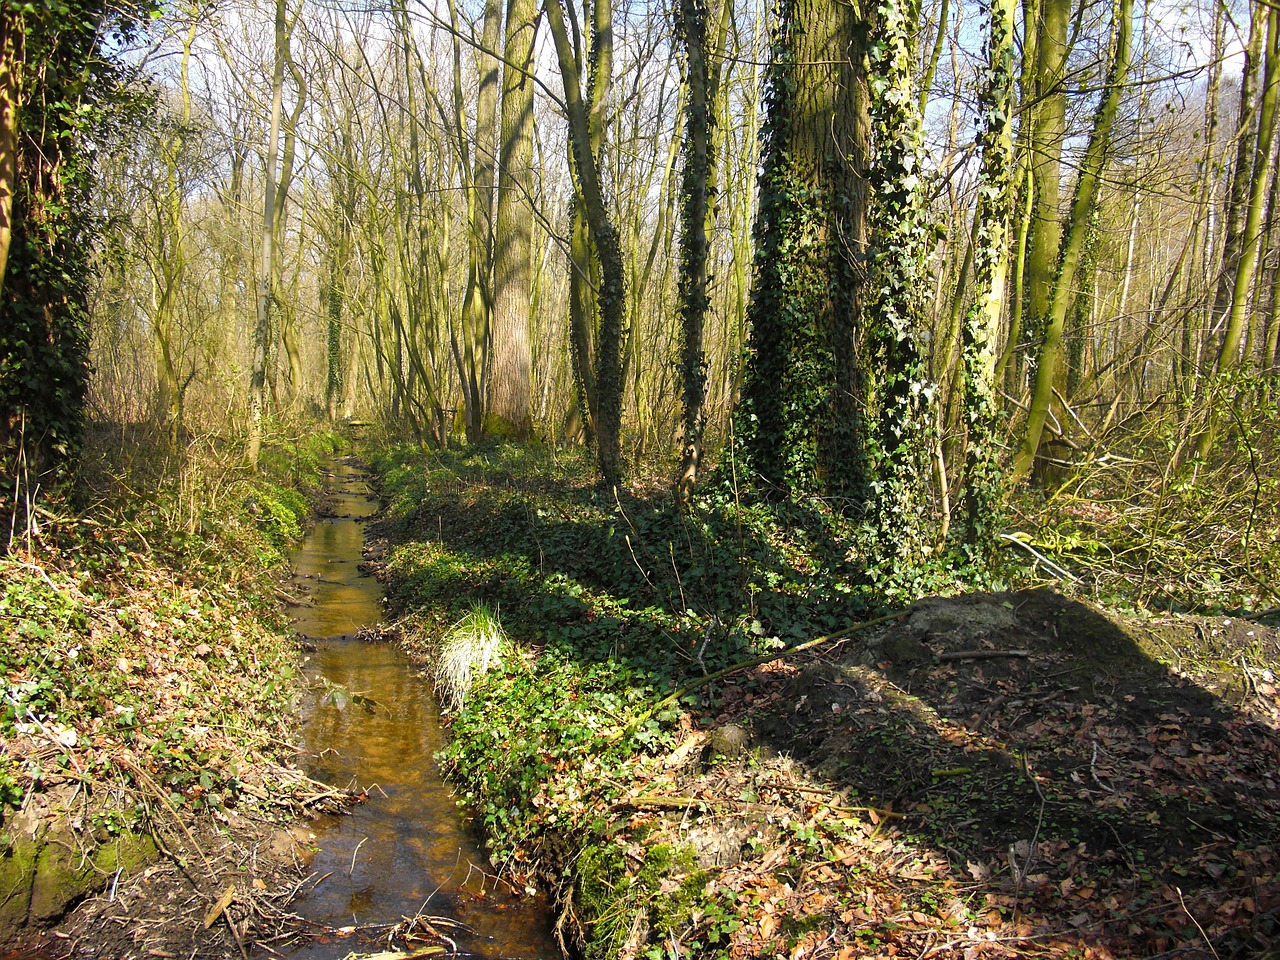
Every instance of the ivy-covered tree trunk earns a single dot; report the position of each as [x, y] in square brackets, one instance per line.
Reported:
[61, 80]
[800, 420]
[983, 490]
[900, 393]
[697, 214]
[604, 236]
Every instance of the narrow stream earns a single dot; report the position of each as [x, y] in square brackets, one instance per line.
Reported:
[370, 719]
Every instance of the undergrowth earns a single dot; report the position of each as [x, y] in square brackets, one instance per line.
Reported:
[614, 601]
[618, 607]
[1140, 524]
[146, 661]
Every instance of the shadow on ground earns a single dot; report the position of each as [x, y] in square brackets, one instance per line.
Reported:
[991, 775]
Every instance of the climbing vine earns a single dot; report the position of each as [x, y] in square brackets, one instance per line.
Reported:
[797, 422]
[984, 485]
[695, 214]
[67, 89]
[901, 392]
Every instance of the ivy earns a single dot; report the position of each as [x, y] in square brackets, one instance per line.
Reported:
[798, 423]
[902, 395]
[984, 481]
[69, 88]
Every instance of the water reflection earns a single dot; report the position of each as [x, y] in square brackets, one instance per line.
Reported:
[369, 718]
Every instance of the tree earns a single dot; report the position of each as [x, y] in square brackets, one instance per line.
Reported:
[800, 420]
[55, 85]
[604, 235]
[697, 217]
[510, 388]
[273, 198]
[980, 332]
[1073, 244]
[899, 394]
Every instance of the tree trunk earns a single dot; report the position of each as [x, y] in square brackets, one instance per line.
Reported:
[612, 294]
[1258, 163]
[801, 420]
[11, 55]
[1082, 208]
[983, 488]
[697, 218]
[266, 271]
[511, 360]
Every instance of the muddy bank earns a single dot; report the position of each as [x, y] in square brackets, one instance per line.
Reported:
[147, 679]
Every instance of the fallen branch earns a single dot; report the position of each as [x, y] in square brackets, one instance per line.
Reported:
[983, 655]
[1061, 572]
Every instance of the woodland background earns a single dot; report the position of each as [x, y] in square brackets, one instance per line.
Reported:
[897, 259]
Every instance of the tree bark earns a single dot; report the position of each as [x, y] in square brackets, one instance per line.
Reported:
[1082, 208]
[11, 56]
[511, 360]
[612, 294]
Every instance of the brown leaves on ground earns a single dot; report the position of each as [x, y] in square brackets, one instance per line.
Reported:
[1084, 800]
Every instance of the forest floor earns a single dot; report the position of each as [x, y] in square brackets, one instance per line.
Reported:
[1016, 773]
[147, 779]
[1011, 773]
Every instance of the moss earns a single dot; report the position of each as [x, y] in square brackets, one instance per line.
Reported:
[620, 898]
[17, 871]
[63, 875]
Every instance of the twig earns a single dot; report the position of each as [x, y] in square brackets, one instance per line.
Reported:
[1064, 574]
[1251, 685]
[1093, 770]
[1208, 942]
[354, 854]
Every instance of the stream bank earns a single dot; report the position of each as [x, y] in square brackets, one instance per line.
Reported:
[995, 775]
[147, 684]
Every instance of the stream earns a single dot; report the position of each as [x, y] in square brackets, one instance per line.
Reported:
[370, 719]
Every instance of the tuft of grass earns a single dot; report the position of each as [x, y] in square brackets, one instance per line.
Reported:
[468, 650]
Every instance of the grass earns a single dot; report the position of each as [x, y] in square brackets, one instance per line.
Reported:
[468, 650]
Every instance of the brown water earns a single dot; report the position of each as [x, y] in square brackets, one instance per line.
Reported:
[408, 849]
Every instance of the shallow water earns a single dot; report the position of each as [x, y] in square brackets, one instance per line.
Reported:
[370, 719]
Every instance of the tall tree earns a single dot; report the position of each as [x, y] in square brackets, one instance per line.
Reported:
[800, 419]
[1073, 243]
[697, 216]
[980, 333]
[604, 235]
[471, 354]
[900, 396]
[12, 43]
[272, 204]
[59, 83]
[510, 389]
[1257, 166]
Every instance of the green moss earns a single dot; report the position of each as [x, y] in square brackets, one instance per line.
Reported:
[618, 897]
[17, 870]
[64, 874]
